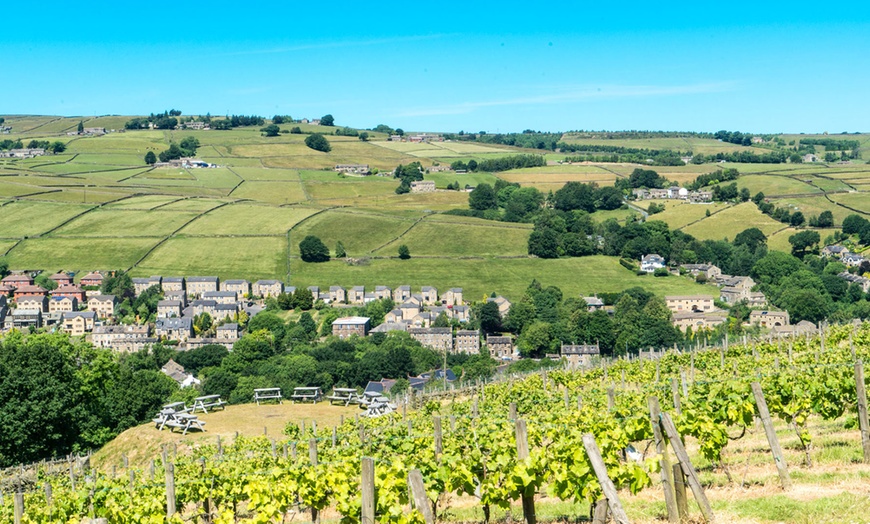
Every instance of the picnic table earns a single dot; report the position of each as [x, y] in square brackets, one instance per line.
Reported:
[268, 394]
[177, 407]
[173, 419]
[344, 396]
[307, 393]
[376, 404]
[206, 402]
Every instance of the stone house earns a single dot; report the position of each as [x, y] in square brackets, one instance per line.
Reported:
[62, 304]
[459, 313]
[834, 250]
[452, 297]
[401, 294]
[140, 285]
[228, 332]
[393, 317]
[179, 329]
[77, 323]
[593, 303]
[358, 169]
[122, 338]
[356, 295]
[169, 308]
[769, 319]
[696, 320]
[504, 305]
[422, 186]
[39, 302]
[103, 305]
[430, 295]
[579, 355]
[237, 286]
[500, 348]
[409, 310]
[337, 294]
[467, 341]
[224, 312]
[172, 284]
[197, 286]
[349, 326]
[694, 303]
[382, 292]
[708, 270]
[439, 339]
[268, 288]
[221, 297]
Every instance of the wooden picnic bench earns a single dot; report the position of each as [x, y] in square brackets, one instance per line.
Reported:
[206, 402]
[346, 396]
[268, 394]
[307, 393]
[169, 418]
[376, 404]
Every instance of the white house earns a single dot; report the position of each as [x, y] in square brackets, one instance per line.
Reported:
[649, 263]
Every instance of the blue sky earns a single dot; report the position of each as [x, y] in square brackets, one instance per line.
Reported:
[449, 66]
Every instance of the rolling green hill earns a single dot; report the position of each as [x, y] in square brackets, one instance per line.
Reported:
[99, 206]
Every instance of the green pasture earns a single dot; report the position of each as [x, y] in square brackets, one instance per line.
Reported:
[110, 159]
[8, 188]
[22, 218]
[226, 257]
[481, 276]
[442, 179]
[361, 233]
[779, 240]
[350, 188]
[775, 185]
[679, 213]
[859, 201]
[728, 222]
[410, 202]
[194, 204]
[143, 202]
[76, 254]
[707, 146]
[248, 219]
[810, 206]
[79, 195]
[457, 240]
[5, 245]
[278, 193]
[261, 174]
[125, 223]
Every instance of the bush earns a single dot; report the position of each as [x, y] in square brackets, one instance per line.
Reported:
[312, 249]
[628, 264]
[404, 252]
[661, 272]
[318, 142]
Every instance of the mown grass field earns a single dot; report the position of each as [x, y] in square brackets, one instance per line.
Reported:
[679, 214]
[277, 191]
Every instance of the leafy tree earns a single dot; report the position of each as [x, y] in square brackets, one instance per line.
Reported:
[81, 127]
[490, 318]
[295, 130]
[854, 224]
[202, 357]
[202, 323]
[575, 195]
[150, 158]
[4, 267]
[544, 243]
[775, 266]
[483, 197]
[312, 249]
[271, 130]
[327, 120]
[797, 219]
[57, 147]
[404, 252]
[120, 285]
[340, 252]
[535, 340]
[826, 219]
[318, 142]
[803, 242]
[752, 238]
[363, 136]
[44, 282]
[303, 299]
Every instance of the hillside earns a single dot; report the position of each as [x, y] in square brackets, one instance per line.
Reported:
[98, 205]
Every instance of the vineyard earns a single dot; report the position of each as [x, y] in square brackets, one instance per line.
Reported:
[599, 437]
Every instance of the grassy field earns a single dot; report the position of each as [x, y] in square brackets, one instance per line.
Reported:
[21, 219]
[360, 233]
[108, 223]
[247, 219]
[679, 214]
[456, 240]
[479, 276]
[776, 185]
[779, 241]
[76, 254]
[728, 222]
[226, 257]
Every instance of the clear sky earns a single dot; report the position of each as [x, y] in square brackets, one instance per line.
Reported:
[449, 66]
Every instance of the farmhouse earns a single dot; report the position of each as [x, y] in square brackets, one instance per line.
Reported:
[853, 260]
[504, 305]
[422, 186]
[696, 320]
[835, 250]
[593, 303]
[94, 131]
[358, 169]
[769, 319]
[579, 355]
[708, 270]
[694, 303]
[22, 153]
[347, 326]
[500, 348]
[356, 295]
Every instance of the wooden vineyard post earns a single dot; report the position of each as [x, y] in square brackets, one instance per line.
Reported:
[368, 491]
[567, 399]
[522, 437]
[436, 424]
[692, 373]
[607, 486]
[334, 436]
[675, 390]
[863, 423]
[684, 383]
[293, 451]
[687, 467]
[680, 494]
[611, 399]
[18, 502]
[775, 449]
[665, 461]
[206, 502]
[170, 489]
[658, 371]
[512, 410]
[418, 493]
[312, 457]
